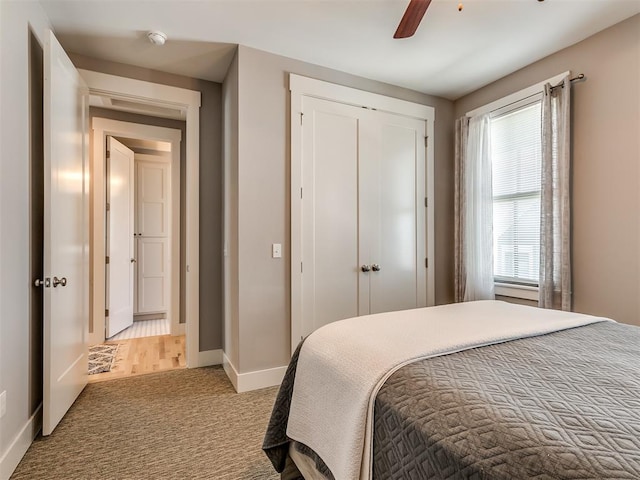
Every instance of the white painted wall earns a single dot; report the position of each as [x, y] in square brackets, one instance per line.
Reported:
[16, 18]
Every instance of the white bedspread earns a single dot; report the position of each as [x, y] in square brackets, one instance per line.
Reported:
[342, 366]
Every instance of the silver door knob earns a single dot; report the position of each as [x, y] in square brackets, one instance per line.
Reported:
[365, 268]
[375, 267]
[42, 283]
[59, 281]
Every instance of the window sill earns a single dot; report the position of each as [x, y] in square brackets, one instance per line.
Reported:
[516, 291]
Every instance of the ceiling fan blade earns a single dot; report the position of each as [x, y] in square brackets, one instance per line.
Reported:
[411, 18]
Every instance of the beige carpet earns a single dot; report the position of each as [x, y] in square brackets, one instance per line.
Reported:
[181, 424]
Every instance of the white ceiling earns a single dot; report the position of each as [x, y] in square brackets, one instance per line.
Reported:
[453, 53]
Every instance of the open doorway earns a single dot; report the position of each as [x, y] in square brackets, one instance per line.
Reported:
[121, 95]
[143, 329]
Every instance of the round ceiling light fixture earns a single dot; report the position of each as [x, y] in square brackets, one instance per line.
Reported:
[157, 38]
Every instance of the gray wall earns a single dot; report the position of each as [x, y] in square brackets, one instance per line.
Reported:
[230, 148]
[211, 187]
[606, 164]
[263, 201]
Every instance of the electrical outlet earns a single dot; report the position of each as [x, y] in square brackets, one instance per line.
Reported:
[276, 250]
[3, 403]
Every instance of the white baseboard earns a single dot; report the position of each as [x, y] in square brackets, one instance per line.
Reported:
[230, 370]
[210, 357]
[245, 382]
[11, 458]
[178, 329]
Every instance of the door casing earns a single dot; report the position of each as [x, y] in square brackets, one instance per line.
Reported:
[102, 128]
[181, 104]
[303, 86]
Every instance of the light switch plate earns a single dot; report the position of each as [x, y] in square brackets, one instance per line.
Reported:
[276, 250]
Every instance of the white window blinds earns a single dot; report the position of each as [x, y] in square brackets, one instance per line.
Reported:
[516, 150]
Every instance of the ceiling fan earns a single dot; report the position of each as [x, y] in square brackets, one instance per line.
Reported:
[412, 17]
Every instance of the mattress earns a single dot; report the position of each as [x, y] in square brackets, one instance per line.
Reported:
[560, 405]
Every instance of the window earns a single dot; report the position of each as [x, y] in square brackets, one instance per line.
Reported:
[516, 160]
[516, 155]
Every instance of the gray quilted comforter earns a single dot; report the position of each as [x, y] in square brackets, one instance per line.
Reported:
[563, 405]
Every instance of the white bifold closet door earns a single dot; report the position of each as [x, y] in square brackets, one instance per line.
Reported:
[363, 215]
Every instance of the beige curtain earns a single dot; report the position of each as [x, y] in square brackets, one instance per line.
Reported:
[461, 135]
[473, 211]
[555, 201]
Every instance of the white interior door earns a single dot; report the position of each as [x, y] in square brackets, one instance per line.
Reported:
[153, 197]
[65, 235]
[332, 282]
[120, 241]
[153, 277]
[393, 169]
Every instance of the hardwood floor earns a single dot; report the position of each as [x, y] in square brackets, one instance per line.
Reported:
[138, 356]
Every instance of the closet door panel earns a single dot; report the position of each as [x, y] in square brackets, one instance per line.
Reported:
[331, 287]
[396, 171]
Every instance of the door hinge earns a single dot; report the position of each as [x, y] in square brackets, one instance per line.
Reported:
[300, 267]
[300, 192]
[108, 154]
[106, 312]
[108, 207]
[106, 260]
[426, 142]
[426, 202]
[301, 115]
[426, 263]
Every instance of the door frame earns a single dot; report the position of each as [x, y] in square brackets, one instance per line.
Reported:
[101, 129]
[300, 87]
[170, 102]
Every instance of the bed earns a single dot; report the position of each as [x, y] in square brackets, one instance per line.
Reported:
[482, 390]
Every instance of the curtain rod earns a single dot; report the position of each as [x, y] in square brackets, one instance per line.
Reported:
[574, 79]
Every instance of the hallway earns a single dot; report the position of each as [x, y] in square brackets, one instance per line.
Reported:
[137, 356]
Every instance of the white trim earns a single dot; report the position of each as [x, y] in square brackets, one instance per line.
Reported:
[431, 212]
[181, 329]
[11, 458]
[516, 291]
[210, 357]
[138, 91]
[360, 98]
[188, 100]
[230, 370]
[303, 86]
[517, 96]
[245, 382]
[296, 219]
